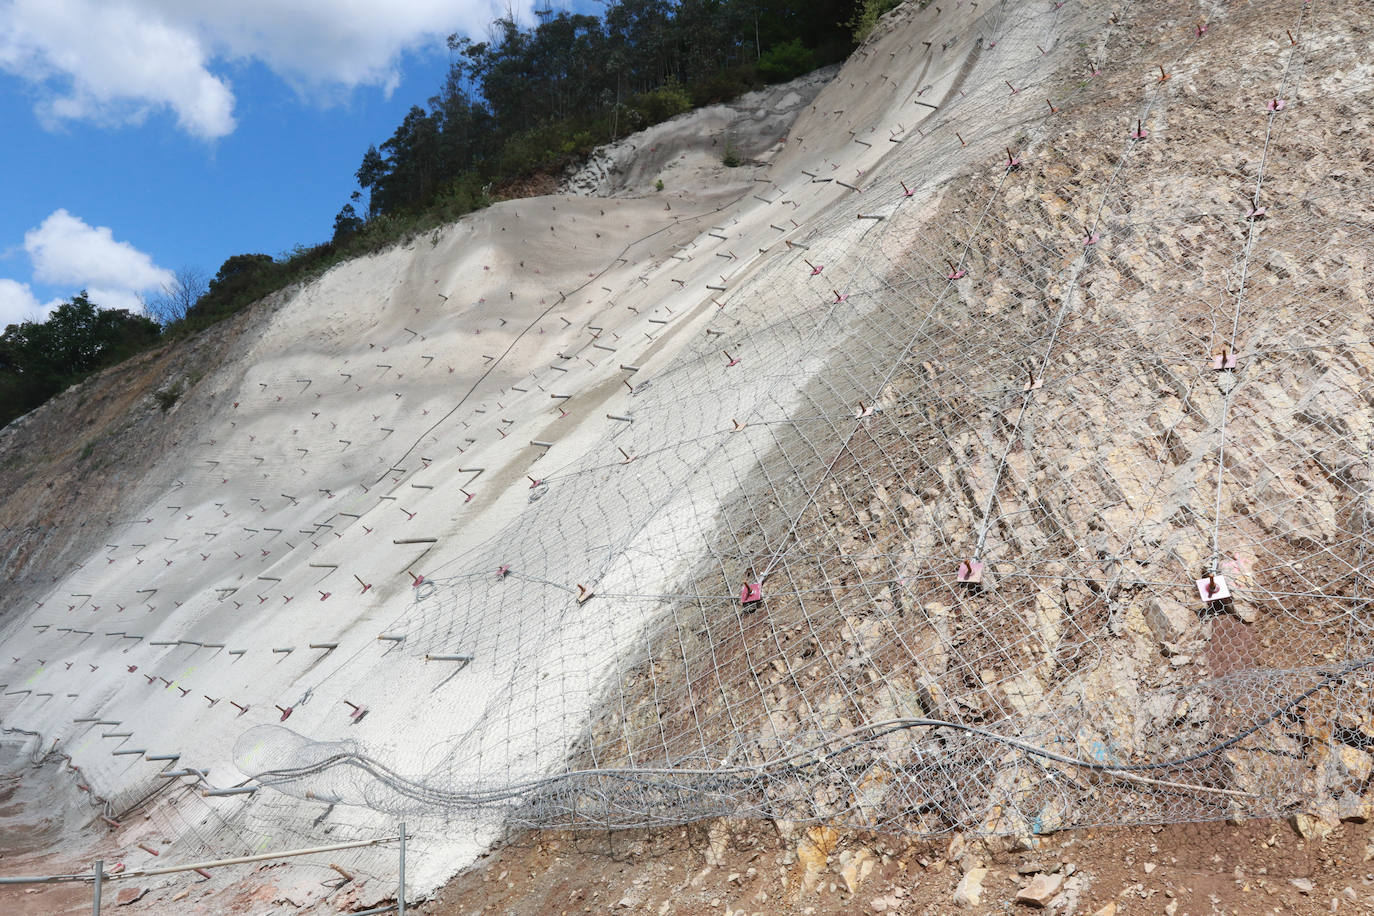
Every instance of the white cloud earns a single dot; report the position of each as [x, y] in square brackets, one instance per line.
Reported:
[112, 63]
[66, 250]
[68, 253]
[116, 299]
[117, 62]
[18, 303]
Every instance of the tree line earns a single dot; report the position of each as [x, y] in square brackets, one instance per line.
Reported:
[536, 98]
[38, 359]
[530, 100]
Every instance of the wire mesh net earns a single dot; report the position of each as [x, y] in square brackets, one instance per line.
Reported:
[1051, 474]
[1024, 485]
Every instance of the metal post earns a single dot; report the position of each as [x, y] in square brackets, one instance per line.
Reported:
[99, 873]
[401, 892]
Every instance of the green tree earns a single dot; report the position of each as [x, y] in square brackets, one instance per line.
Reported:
[370, 175]
[533, 98]
[864, 19]
[240, 280]
[346, 224]
[40, 358]
[786, 61]
[412, 157]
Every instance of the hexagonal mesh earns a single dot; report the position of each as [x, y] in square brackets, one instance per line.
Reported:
[1054, 476]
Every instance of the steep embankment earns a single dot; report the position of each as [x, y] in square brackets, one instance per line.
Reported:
[162, 552]
[980, 379]
[75, 467]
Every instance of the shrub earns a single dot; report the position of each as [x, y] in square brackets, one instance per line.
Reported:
[462, 195]
[241, 279]
[724, 85]
[665, 102]
[786, 61]
[168, 396]
[346, 224]
[866, 15]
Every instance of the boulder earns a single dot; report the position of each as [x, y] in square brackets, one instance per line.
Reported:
[1041, 891]
[970, 888]
[1356, 763]
[813, 853]
[1168, 620]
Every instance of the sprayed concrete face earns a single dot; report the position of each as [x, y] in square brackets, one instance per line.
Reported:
[494, 504]
[368, 467]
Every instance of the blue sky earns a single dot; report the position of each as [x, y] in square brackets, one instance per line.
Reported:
[155, 134]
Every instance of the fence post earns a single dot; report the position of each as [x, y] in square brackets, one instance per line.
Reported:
[99, 874]
[401, 892]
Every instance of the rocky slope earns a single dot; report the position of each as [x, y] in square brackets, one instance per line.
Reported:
[990, 456]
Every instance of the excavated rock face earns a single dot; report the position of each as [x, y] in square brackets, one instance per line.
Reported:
[687, 151]
[1126, 374]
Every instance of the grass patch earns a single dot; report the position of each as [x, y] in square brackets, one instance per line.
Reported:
[168, 396]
